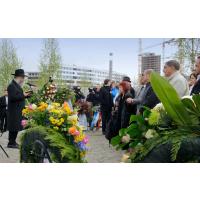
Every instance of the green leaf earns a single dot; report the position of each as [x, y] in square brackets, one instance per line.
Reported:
[134, 143]
[133, 131]
[133, 118]
[196, 99]
[176, 144]
[170, 99]
[146, 113]
[116, 140]
[122, 132]
[189, 104]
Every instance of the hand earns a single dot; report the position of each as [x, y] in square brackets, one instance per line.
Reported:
[129, 100]
[27, 94]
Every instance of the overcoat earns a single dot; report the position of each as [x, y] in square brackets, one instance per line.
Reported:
[16, 103]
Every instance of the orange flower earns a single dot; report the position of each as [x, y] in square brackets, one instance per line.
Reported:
[67, 108]
[72, 130]
[43, 106]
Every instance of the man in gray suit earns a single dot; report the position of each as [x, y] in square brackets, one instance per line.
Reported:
[147, 98]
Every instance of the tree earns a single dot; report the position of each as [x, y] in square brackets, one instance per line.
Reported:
[9, 62]
[192, 50]
[85, 82]
[50, 62]
[188, 50]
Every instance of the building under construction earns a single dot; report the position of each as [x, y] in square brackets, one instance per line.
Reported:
[150, 61]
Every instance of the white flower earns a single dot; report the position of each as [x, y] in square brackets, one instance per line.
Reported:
[187, 97]
[159, 107]
[125, 157]
[150, 133]
[49, 107]
[34, 106]
[126, 138]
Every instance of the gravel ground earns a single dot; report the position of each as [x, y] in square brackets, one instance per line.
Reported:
[99, 150]
[13, 153]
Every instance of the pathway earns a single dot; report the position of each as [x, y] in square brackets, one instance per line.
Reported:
[100, 151]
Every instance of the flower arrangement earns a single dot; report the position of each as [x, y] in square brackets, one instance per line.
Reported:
[61, 119]
[171, 122]
[50, 91]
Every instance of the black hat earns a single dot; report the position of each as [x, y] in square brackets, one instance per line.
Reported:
[90, 89]
[19, 72]
[126, 78]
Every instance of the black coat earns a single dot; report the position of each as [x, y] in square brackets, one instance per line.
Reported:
[149, 98]
[196, 88]
[105, 98]
[2, 106]
[3, 114]
[126, 110]
[16, 103]
[93, 97]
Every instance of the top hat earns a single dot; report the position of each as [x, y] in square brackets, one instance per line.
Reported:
[126, 78]
[19, 72]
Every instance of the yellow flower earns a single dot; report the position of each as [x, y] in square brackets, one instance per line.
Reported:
[82, 154]
[51, 118]
[62, 120]
[55, 104]
[79, 138]
[25, 111]
[43, 106]
[73, 119]
[67, 108]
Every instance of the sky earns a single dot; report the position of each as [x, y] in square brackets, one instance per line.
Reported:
[91, 52]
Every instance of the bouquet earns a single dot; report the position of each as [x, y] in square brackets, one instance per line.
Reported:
[61, 119]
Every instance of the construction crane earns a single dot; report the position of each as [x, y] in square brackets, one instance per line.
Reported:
[140, 57]
[162, 44]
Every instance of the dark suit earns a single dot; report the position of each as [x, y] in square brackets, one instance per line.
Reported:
[196, 88]
[16, 103]
[149, 98]
[106, 102]
[3, 114]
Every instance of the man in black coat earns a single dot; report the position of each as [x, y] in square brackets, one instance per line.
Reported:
[106, 102]
[196, 88]
[3, 111]
[148, 98]
[91, 96]
[16, 103]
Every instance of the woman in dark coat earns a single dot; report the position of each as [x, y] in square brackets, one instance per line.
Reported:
[125, 110]
[16, 103]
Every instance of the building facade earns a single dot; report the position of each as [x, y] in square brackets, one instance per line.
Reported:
[150, 61]
[77, 75]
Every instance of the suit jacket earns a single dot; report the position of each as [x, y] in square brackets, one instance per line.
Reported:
[149, 98]
[16, 103]
[196, 88]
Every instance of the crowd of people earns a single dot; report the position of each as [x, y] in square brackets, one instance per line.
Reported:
[118, 101]
[110, 105]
